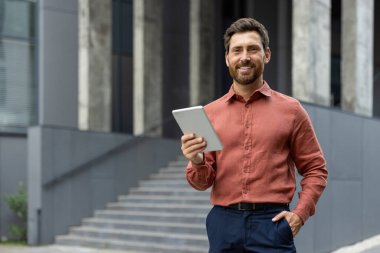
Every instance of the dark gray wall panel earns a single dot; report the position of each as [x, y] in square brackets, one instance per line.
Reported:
[61, 209]
[61, 152]
[346, 146]
[305, 239]
[58, 62]
[103, 192]
[79, 148]
[47, 142]
[13, 154]
[47, 217]
[80, 192]
[371, 177]
[323, 221]
[322, 126]
[347, 212]
[122, 172]
[67, 5]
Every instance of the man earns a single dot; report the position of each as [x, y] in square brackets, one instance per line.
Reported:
[266, 136]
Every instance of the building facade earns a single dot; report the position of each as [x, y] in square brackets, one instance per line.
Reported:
[122, 66]
[119, 85]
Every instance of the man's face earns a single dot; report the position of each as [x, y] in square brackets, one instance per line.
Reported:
[246, 57]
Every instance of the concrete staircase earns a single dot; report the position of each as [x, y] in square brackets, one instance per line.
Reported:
[164, 214]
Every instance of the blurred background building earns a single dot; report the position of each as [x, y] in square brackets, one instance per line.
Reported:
[88, 86]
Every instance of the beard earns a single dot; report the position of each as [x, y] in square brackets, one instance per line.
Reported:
[246, 79]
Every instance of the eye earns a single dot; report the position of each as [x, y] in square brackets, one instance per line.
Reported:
[253, 49]
[236, 50]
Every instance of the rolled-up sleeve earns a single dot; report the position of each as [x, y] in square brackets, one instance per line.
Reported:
[310, 163]
[201, 176]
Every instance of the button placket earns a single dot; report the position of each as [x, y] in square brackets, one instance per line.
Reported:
[247, 148]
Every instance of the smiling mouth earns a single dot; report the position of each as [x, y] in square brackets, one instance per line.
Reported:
[245, 69]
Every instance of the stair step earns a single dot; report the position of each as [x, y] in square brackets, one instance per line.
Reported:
[182, 200]
[137, 198]
[145, 225]
[168, 176]
[139, 246]
[168, 191]
[168, 208]
[164, 214]
[173, 170]
[178, 163]
[157, 196]
[160, 183]
[140, 235]
[151, 216]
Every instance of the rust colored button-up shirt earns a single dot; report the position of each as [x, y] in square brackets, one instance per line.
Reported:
[265, 139]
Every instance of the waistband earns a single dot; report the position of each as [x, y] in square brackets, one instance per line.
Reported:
[245, 206]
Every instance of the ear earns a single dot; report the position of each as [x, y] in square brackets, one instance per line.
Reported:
[267, 55]
[226, 57]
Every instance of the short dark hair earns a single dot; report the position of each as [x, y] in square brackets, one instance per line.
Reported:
[246, 25]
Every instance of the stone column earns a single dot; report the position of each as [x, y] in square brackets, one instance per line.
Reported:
[147, 67]
[311, 51]
[202, 52]
[357, 56]
[95, 49]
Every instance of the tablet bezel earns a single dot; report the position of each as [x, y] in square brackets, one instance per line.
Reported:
[195, 120]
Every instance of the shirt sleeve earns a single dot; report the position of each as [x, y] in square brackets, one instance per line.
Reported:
[201, 176]
[310, 163]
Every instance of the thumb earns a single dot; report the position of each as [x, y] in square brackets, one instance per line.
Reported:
[279, 216]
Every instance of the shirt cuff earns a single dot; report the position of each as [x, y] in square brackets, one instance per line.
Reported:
[199, 165]
[303, 216]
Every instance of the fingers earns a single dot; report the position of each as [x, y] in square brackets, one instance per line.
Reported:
[279, 216]
[293, 219]
[187, 137]
[192, 146]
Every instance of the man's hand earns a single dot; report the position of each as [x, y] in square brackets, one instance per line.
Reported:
[193, 147]
[293, 219]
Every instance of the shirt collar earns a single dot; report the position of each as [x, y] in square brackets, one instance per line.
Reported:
[264, 89]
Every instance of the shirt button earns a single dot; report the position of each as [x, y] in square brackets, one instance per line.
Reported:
[246, 105]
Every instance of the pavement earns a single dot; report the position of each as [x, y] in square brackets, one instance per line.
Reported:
[370, 245]
[54, 249]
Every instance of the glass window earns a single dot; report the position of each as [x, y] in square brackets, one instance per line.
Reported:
[17, 77]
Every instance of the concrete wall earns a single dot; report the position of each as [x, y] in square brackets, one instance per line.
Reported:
[65, 184]
[376, 61]
[348, 210]
[57, 47]
[12, 171]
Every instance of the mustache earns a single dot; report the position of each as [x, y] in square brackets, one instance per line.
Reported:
[247, 64]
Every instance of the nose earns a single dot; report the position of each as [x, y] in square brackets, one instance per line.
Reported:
[245, 57]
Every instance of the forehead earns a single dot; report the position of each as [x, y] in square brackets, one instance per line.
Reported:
[245, 38]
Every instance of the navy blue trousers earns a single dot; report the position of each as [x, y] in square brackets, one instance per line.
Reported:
[235, 231]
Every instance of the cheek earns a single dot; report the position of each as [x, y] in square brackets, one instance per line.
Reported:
[231, 62]
[228, 62]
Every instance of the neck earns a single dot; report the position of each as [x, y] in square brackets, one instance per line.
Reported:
[247, 90]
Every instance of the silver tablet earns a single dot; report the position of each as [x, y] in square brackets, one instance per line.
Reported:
[195, 120]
